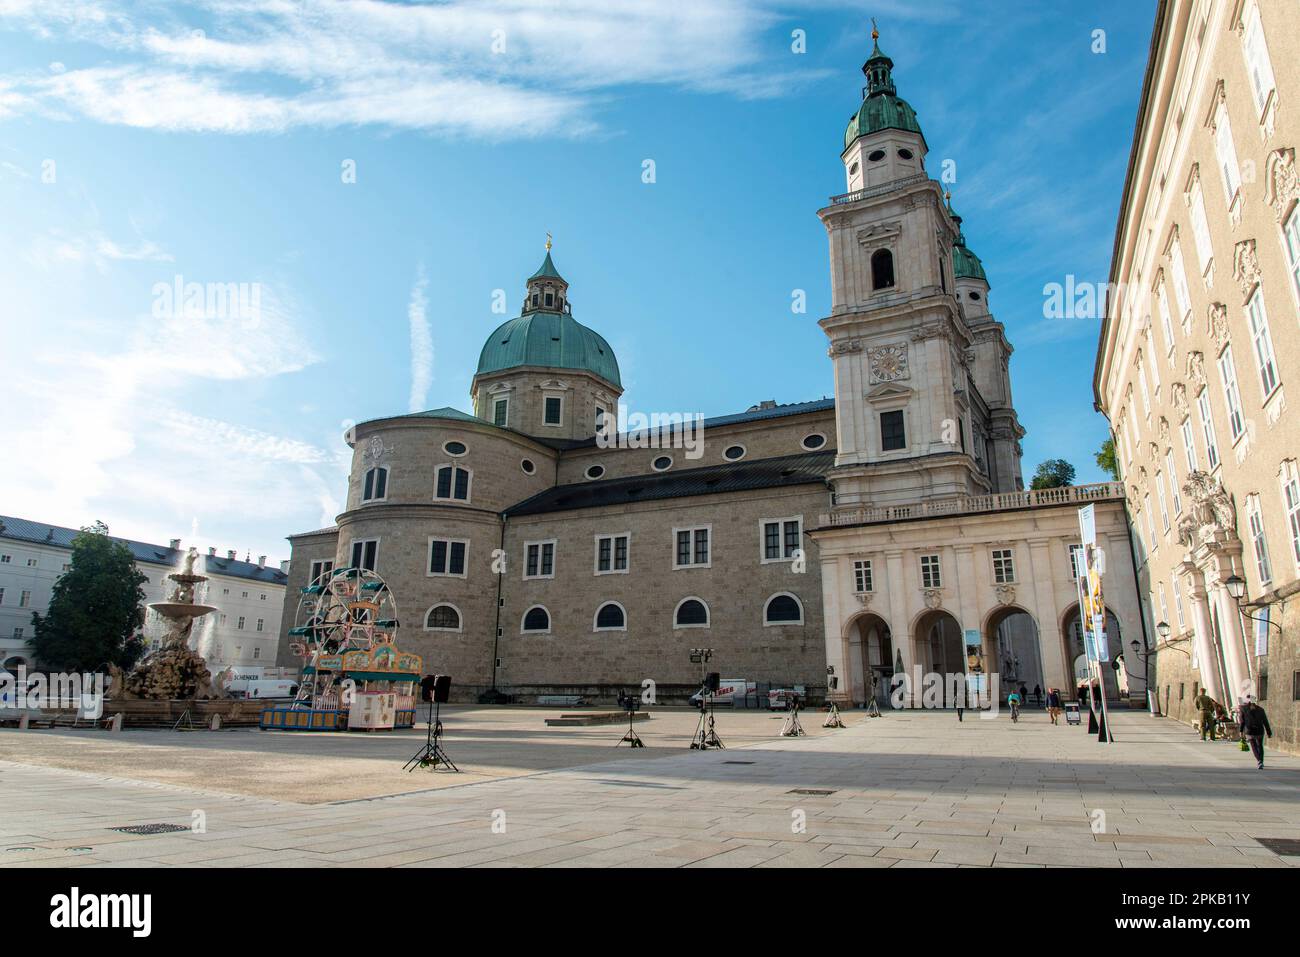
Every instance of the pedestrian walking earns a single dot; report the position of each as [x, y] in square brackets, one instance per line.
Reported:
[1254, 725]
[1038, 694]
[1209, 709]
[1054, 705]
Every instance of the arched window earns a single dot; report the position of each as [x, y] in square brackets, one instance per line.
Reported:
[376, 484]
[882, 269]
[611, 617]
[442, 618]
[536, 619]
[453, 483]
[783, 609]
[691, 613]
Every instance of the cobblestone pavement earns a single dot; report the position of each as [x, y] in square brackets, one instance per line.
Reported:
[906, 790]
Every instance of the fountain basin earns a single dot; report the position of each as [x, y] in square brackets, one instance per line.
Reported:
[181, 609]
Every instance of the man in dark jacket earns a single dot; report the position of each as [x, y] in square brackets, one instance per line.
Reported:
[1254, 725]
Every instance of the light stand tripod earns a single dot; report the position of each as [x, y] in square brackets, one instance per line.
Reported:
[833, 719]
[432, 755]
[706, 736]
[792, 728]
[632, 738]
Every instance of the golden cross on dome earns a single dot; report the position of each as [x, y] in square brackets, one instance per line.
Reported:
[875, 33]
[548, 242]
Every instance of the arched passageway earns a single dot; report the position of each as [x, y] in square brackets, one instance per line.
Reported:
[872, 659]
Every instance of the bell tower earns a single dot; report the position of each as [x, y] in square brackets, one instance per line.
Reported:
[900, 345]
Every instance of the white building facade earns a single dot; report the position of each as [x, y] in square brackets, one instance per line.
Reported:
[250, 595]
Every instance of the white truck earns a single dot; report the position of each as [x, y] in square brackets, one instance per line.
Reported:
[262, 688]
[728, 690]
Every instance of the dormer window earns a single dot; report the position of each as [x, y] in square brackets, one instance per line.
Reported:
[534, 299]
[550, 299]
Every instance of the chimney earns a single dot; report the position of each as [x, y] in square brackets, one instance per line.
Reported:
[212, 550]
[284, 566]
[176, 544]
[261, 561]
[231, 555]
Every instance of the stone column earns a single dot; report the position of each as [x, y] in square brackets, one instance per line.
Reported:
[833, 615]
[899, 620]
[1203, 631]
[1046, 614]
[1233, 644]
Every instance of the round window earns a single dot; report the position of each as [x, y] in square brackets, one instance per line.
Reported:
[454, 448]
[905, 154]
[528, 466]
[734, 452]
[595, 472]
[975, 296]
[814, 441]
[662, 463]
[876, 156]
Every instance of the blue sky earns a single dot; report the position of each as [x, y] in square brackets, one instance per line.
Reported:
[144, 141]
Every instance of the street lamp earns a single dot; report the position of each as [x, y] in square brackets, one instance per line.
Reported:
[1237, 589]
[1162, 629]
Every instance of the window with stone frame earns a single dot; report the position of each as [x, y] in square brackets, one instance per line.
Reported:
[862, 581]
[692, 547]
[375, 485]
[782, 538]
[1259, 66]
[1262, 343]
[442, 618]
[1207, 428]
[931, 576]
[1258, 540]
[537, 619]
[365, 553]
[1290, 478]
[893, 433]
[1291, 244]
[453, 483]
[1232, 395]
[501, 411]
[691, 613]
[553, 410]
[1004, 566]
[611, 553]
[539, 559]
[447, 556]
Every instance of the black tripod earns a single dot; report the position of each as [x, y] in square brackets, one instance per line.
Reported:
[432, 755]
[632, 738]
[705, 735]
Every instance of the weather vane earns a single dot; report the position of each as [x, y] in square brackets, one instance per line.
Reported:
[875, 32]
[548, 242]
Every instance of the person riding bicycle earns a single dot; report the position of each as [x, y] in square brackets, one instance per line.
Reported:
[1013, 702]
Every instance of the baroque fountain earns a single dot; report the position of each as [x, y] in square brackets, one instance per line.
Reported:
[175, 670]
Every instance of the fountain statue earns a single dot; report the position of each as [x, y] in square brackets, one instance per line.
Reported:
[175, 670]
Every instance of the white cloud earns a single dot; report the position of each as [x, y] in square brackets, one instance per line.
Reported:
[57, 247]
[491, 68]
[421, 344]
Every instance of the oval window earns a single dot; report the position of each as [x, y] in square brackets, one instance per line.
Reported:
[528, 466]
[853, 169]
[905, 154]
[734, 452]
[876, 156]
[662, 463]
[454, 448]
[595, 472]
[814, 441]
[975, 296]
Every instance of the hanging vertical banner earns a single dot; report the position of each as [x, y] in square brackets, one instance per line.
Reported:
[1092, 606]
[976, 673]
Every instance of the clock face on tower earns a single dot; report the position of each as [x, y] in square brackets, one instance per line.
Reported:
[889, 362]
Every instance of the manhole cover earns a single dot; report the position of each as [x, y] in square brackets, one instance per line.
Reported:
[813, 791]
[151, 828]
[1282, 846]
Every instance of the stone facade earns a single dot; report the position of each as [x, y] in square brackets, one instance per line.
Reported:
[1198, 349]
[587, 566]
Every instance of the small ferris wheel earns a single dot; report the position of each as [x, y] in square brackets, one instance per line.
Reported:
[341, 611]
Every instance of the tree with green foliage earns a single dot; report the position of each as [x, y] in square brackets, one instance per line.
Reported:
[1054, 473]
[1106, 460]
[95, 611]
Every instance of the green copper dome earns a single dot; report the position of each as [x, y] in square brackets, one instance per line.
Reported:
[965, 264]
[882, 108]
[551, 339]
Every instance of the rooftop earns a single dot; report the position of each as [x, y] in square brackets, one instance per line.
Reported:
[38, 533]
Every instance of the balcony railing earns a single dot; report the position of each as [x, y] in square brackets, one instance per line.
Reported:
[879, 190]
[973, 504]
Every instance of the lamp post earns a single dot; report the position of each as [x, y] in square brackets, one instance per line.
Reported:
[1236, 586]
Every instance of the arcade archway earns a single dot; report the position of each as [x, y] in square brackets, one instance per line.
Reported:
[1072, 645]
[938, 649]
[872, 659]
[1011, 643]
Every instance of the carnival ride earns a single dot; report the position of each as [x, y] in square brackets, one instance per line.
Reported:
[354, 676]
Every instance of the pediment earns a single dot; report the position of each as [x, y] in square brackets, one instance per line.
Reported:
[888, 390]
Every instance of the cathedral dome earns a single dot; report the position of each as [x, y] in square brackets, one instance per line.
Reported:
[546, 334]
[882, 108]
[551, 339]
